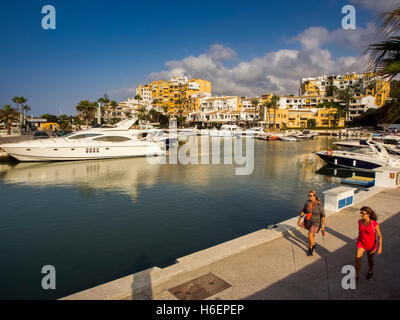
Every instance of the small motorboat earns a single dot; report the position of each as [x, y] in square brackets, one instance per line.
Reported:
[287, 138]
[306, 135]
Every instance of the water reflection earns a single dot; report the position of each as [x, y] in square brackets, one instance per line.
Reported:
[121, 175]
[273, 161]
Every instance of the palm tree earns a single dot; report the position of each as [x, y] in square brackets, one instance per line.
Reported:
[8, 115]
[274, 104]
[138, 97]
[88, 110]
[25, 110]
[18, 101]
[104, 102]
[384, 57]
[22, 101]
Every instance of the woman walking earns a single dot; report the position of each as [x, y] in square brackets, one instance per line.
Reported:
[368, 229]
[314, 220]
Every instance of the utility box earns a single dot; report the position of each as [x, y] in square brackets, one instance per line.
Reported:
[389, 178]
[338, 198]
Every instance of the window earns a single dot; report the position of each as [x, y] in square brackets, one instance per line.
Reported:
[84, 136]
[112, 139]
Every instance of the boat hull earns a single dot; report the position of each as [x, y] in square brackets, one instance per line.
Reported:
[352, 163]
[34, 154]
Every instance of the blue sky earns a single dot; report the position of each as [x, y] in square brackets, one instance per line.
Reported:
[110, 47]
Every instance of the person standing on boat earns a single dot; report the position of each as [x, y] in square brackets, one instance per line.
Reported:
[314, 219]
[368, 229]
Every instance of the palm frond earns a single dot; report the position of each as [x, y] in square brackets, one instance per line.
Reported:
[382, 55]
[390, 21]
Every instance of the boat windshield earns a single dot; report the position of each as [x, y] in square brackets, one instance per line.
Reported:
[112, 139]
[360, 150]
[83, 136]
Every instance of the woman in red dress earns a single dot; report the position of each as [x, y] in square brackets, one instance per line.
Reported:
[368, 230]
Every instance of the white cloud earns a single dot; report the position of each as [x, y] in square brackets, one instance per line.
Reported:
[279, 71]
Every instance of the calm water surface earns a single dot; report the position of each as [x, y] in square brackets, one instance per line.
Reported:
[96, 221]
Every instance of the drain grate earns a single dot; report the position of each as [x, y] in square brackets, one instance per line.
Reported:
[200, 288]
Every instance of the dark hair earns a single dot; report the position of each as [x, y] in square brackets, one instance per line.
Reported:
[370, 212]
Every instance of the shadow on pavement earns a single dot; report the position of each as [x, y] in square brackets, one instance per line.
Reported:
[322, 279]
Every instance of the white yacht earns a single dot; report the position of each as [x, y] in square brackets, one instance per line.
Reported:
[227, 130]
[254, 131]
[119, 141]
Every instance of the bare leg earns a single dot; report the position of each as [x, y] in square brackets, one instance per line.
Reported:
[311, 239]
[371, 261]
[359, 254]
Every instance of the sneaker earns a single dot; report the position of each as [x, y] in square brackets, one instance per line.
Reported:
[369, 275]
[310, 252]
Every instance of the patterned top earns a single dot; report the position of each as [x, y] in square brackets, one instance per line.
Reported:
[317, 212]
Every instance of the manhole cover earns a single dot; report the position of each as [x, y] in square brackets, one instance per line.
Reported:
[200, 288]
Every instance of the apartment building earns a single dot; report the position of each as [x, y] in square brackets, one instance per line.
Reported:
[362, 85]
[298, 118]
[174, 94]
[230, 103]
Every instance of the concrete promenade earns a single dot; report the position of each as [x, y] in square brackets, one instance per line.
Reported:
[272, 264]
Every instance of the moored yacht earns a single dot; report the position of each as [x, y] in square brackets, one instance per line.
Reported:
[119, 141]
[376, 156]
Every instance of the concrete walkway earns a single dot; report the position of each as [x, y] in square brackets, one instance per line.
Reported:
[280, 268]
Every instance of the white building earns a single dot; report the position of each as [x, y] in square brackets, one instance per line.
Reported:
[360, 105]
[219, 103]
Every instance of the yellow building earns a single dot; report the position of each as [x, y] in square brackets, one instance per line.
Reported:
[49, 126]
[298, 118]
[363, 85]
[174, 94]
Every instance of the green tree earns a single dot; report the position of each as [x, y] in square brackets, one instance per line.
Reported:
[8, 115]
[49, 117]
[26, 109]
[64, 123]
[274, 104]
[311, 123]
[138, 97]
[345, 96]
[87, 109]
[20, 101]
[255, 103]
